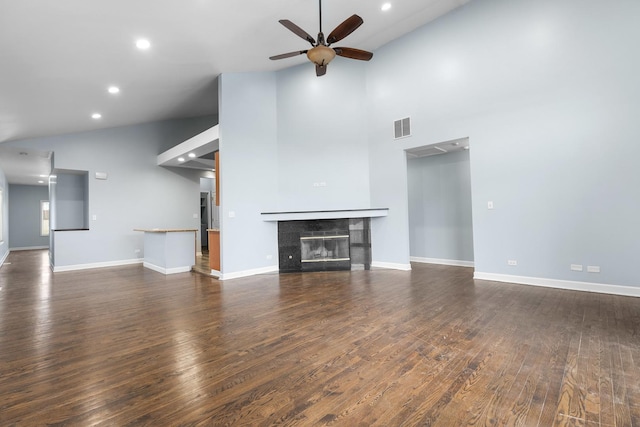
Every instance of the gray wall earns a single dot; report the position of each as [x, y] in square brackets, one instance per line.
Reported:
[322, 138]
[549, 99]
[4, 242]
[24, 216]
[137, 193]
[248, 171]
[440, 225]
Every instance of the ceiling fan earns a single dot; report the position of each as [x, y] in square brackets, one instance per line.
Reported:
[321, 53]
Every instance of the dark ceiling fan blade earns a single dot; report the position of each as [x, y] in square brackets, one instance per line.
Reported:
[343, 30]
[349, 52]
[321, 70]
[298, 31]
[287, 55]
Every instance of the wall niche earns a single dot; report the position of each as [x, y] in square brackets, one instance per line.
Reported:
[69, 193]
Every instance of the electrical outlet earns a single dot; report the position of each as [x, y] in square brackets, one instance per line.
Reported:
[269, 256]
[512, 262]
[136, 251]
[489, 205]
[576, 267]
[593, 269]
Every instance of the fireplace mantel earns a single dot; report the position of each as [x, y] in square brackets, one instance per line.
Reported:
[328, 214]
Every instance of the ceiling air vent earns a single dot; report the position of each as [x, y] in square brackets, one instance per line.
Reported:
[429, 150]
[402, 128]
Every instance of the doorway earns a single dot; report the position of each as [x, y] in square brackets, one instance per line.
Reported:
[439, 196]
[205, 219]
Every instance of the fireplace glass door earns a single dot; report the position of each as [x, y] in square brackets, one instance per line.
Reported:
[324, 250]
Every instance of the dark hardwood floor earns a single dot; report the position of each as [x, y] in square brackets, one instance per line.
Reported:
[129, 346]
[202, 263]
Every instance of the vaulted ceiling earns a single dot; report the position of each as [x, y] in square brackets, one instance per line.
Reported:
[59, 58]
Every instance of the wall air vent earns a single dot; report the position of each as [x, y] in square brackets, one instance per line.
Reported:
[402, 128]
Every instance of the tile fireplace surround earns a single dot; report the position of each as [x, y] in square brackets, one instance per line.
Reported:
[324, 244]
[324, 240]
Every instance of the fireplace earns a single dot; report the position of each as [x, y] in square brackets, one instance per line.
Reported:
[324, 244]
[331, 248]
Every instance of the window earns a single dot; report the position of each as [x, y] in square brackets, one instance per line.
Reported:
[44, 217]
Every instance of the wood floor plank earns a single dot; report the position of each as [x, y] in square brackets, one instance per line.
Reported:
[128, 346]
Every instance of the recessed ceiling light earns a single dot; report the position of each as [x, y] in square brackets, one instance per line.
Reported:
[143, 44]
[181, 159]
[113, 89]
[192, 155]
[96, 116]
[385, 7]
[40, 182]
[43, 176]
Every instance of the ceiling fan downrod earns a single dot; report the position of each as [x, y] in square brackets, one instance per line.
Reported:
[320, 15]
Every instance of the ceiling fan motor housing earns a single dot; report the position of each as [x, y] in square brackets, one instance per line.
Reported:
[321, 55]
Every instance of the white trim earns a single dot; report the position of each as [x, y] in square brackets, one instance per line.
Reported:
[164, 270]
[561, 284]
[95, 265]
[453, 262]
[215, 273]
[255, 271]
[202, 143]
[391, 265]
[30, 248]
[334, 214]
[4, 258]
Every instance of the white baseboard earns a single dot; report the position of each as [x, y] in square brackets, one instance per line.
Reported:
[391, 265]
[246, 273]
[561, 284]
[453, 262]
[29, 248]
[164, 270]
[4, 258]
[62, 268]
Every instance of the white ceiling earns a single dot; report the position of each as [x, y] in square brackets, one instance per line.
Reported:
[25, 167]
[59, 57]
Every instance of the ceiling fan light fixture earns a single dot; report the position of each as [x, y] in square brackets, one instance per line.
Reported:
[321, 55]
